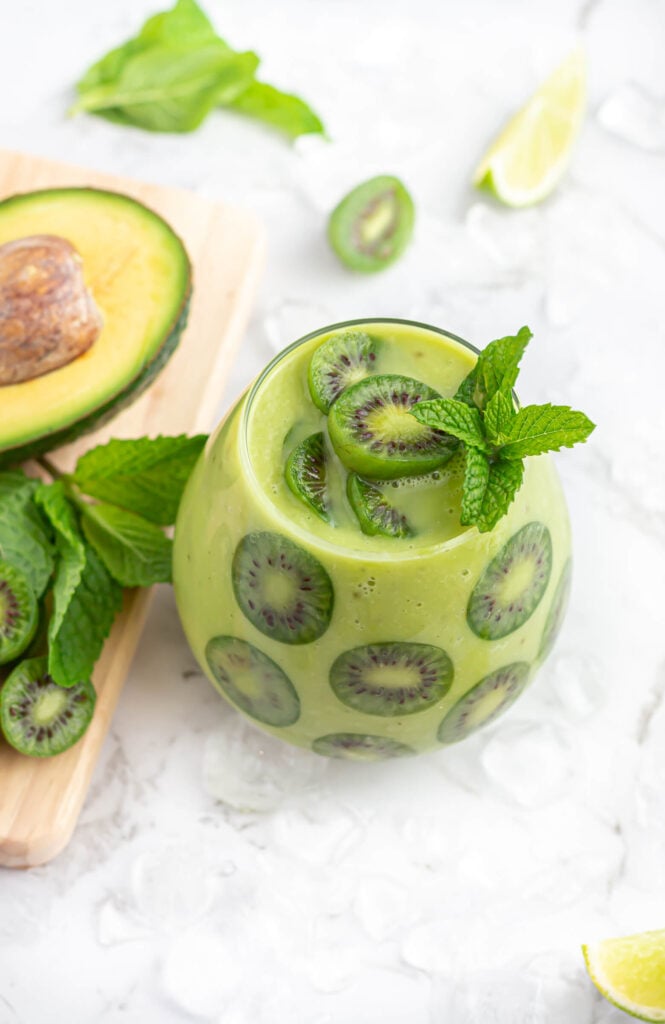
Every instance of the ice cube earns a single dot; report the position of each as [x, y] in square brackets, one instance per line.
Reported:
[382, 906]
[577, 684]
[252, 771]
[635, 116]
[530, 763]
[173, 885]
[201, 973]
[117, 924]
[290, 319]
[514, 242]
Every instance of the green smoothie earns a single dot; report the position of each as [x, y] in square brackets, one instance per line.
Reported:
[350, 612]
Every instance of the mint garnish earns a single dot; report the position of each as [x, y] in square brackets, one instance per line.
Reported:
[495, 434]
[136, 553]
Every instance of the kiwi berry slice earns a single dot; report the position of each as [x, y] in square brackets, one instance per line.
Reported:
[391, 679]
[40, 718]
[18, 612]
[375, 513]
[484, 702]
[305, 473]
[373, 433]
[557, 611]
[283, 590]
[512, 586]
[352, 746]
[372, 225]
[253, 681]
[341, 360]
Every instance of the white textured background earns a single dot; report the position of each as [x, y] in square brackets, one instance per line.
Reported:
[218, 877]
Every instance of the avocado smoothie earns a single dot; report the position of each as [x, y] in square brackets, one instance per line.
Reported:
[322, 575]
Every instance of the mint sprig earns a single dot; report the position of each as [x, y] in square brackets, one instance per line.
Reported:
[496, 435]
[83, 551]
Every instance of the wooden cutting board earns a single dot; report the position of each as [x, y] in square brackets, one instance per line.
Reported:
[40, 801]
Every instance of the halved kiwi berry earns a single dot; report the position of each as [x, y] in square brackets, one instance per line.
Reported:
[557, 611]
[305, 473]
[341, 360]
[40, 718]
[373, 433]
[512, 586]
[391, 679]
[283, 590]
[352, 746]
[376, 515]
[253, 681]
[372, 225]
[18, 612]
[484, 702]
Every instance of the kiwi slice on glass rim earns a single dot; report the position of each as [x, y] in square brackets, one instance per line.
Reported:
[281, 588]
[484, 702]
[353, 746]
[374, 434]
[341, 360]
[372, 225]
[376, 515]
[40, 718]
[513, 584]
[18, 612]
[306, 472]
[253, 681]
[392, 679]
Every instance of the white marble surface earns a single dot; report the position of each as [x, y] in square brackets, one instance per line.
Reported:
[218, 876]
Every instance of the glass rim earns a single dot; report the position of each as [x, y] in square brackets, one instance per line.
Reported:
[252, 391]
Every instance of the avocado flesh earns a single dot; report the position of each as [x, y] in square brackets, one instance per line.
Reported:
[139, 274]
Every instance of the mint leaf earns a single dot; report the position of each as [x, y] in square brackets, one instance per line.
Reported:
[85, 597]
[135, 552]
[476, 479]
[499, 415]
[24, 538]
[505, 480]
[169, 89]
[146, 476]
[467, 390]
[281, 110]
[498, 365]
[545, 428]
[452, 417]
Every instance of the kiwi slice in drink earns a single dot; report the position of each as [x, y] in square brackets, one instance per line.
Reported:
[373, 433]
[352, 746]
[484, 702]
[341, 360]
[281, 588]
[557, 611]
[376, 515]
[512, 586]
[305, 473]
[392, 679]
[253, 681]
[18, 612]
[372, 225]
[40, 718]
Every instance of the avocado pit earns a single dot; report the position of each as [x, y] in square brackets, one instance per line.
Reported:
[48, 316]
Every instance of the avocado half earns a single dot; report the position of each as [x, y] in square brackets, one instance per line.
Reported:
[139, 275]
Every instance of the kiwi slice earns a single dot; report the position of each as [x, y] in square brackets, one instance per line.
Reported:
[253, 681]
[392, 679]
[305, 473]
[40, 718]
[484, 702]
[373, 432]
[18, 612]
[512, 586]
[372, 225]
[283, 590]
[557, 611]
[352, 746]
[375, 513]
[343, 359]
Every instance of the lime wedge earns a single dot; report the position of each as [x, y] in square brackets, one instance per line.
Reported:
[526, 161]
[630, 972]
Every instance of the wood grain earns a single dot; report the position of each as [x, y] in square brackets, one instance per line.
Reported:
[40, 801]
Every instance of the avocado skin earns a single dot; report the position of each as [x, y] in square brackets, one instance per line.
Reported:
[97, 417]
